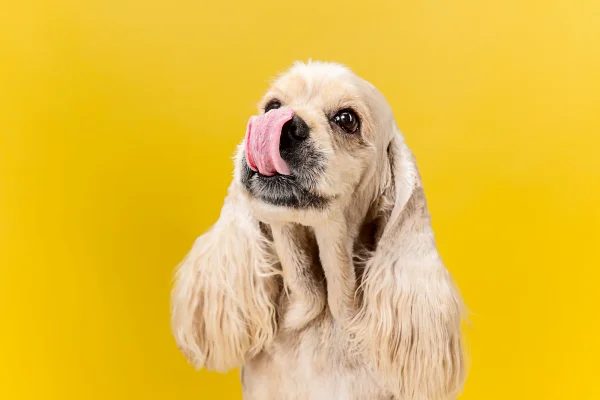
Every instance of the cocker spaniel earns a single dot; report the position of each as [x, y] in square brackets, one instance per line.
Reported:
[321, 278]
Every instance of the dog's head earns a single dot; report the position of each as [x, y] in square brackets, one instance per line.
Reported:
[320, 138]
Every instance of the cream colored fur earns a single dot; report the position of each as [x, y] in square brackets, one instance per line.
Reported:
[298, 299]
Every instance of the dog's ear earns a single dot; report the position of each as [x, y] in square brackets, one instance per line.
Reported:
[410, 316]
[223, 302]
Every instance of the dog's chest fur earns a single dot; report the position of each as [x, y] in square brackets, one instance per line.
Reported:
[314, 364]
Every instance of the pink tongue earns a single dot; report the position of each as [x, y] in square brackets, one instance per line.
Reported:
[262, 142]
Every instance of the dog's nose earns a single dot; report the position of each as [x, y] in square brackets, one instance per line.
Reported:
[293, 132]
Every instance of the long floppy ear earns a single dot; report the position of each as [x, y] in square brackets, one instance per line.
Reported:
[410, 315]
[223, 302]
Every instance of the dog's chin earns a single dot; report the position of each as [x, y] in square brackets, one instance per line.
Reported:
[285, 191]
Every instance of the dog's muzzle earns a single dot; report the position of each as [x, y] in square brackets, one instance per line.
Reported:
[271, 139]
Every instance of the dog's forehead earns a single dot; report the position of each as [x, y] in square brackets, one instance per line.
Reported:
[317, 83]
[329, 86]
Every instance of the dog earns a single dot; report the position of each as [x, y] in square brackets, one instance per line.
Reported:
[321, 278]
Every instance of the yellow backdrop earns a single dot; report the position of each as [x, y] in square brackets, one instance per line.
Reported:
[118, 120]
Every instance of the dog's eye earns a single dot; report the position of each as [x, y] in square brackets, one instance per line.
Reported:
[347, 120]
[272, 105]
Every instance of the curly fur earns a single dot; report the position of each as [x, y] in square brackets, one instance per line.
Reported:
[223, 306]
[348, 301]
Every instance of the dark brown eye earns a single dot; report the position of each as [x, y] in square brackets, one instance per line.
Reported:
[347, 120]
[272, 105]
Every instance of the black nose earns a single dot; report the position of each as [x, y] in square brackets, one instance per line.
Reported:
[294, 147]
[293, 132]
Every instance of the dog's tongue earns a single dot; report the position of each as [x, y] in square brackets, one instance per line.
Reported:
[262, 142]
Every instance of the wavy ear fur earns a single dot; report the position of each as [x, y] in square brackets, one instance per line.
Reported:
[410, 316]
[223, 302]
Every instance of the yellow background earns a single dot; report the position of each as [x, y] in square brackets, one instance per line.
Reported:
[118, 120]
